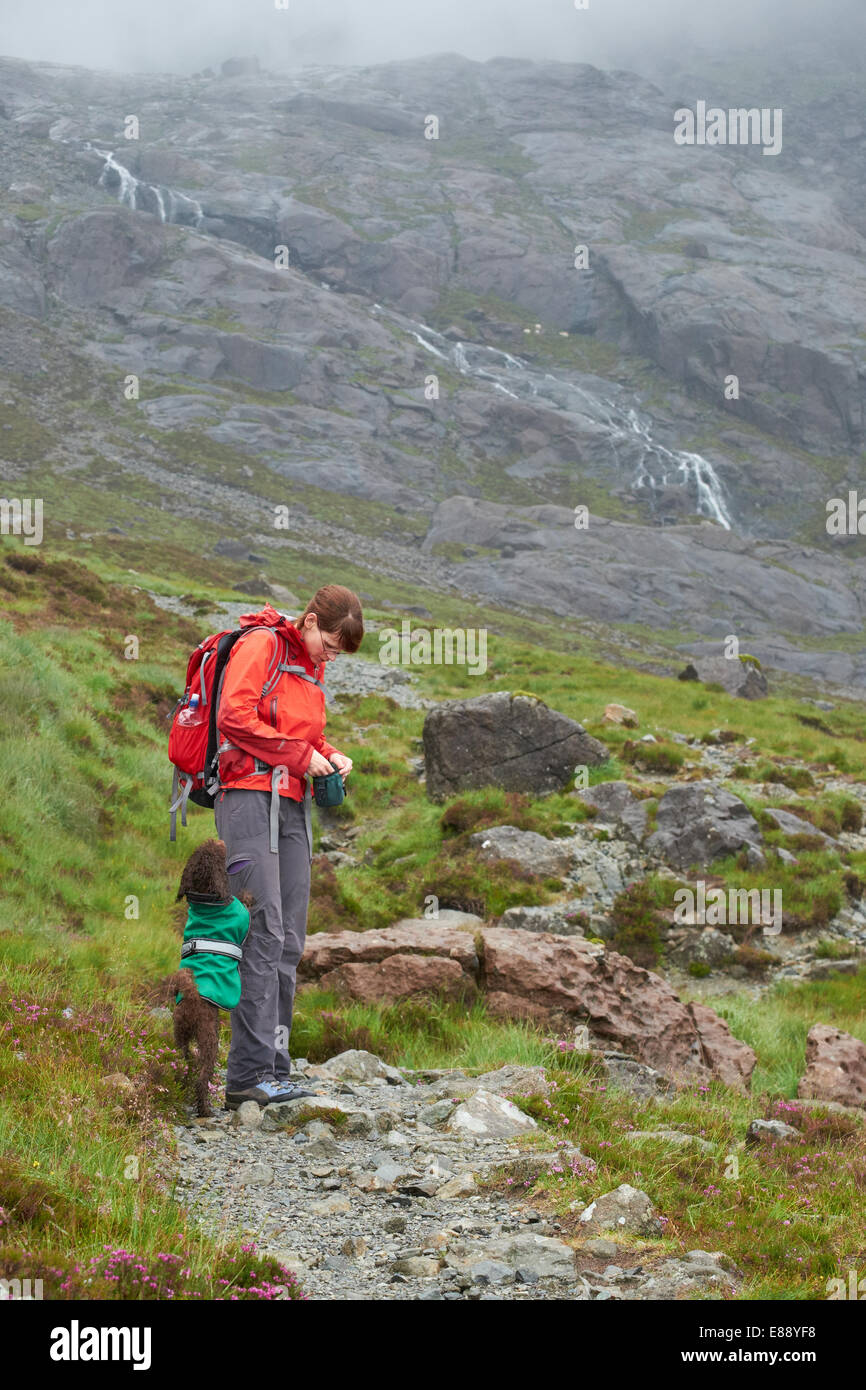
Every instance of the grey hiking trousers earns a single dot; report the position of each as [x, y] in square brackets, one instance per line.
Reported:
[280, 883]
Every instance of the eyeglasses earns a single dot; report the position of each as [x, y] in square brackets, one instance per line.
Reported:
[328, 649]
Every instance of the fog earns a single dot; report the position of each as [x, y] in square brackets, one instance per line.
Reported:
[183, 36]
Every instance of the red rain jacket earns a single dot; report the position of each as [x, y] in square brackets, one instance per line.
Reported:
[283, 728]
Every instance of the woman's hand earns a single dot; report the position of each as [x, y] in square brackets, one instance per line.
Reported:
[343, 764]
[319, 765]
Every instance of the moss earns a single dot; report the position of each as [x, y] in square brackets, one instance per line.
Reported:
[828, 949]
[23, 438]
[30, 212]
[653, 757]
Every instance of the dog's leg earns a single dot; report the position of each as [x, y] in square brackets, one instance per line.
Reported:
[185, 1017]
[208, 1052]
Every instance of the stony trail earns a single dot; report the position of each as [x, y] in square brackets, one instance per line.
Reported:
[391, 1203]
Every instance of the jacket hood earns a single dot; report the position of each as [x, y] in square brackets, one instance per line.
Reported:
[269, 617]
[265, 617]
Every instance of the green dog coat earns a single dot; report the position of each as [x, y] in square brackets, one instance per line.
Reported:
[217, 973]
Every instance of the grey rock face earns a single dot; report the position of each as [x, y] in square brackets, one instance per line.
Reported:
[626, 1209]
[698, 822]
[503, 740]
[741, 678]
[642, 1081]
[559, 918]
[615, 801]
[793, 825]
[701, 946]
[202, 307]
[528, 849]
[762, 1130]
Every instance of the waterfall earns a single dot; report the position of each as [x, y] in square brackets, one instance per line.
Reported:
[651, 465]
[165, 203]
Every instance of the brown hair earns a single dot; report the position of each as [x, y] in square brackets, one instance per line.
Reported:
[339, 611]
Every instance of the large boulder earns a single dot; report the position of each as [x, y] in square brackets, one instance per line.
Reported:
[97, 258]
[504, 740]
[698, 822]
[545, 977]
[835, 1067]
[488, 1116]
[739, 677]
[700, 946]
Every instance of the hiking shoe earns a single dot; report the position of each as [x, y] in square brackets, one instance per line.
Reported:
[237, 1098]
[277, 1091]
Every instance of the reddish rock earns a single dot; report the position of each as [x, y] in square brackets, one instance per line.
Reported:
[326, 950]
[398, 977]
[835, 1067]
[538, 975]
[502, 1005]
[620, 1000]
[731, 1061]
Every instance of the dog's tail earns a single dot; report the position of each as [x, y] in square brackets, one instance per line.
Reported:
[182, 982]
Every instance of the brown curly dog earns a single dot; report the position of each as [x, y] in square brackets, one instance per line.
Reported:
[197, 1020]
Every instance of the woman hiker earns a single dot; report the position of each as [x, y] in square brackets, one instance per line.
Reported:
[269, 740]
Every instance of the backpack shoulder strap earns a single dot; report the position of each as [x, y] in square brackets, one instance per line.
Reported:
[299, 671]
[293, 670]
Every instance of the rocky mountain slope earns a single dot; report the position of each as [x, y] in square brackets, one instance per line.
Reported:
[430, 369]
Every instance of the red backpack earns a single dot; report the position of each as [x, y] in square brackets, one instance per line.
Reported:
[193, 748]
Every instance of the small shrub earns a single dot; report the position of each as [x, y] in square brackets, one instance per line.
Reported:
[327, 911]
[637, 925]
[465, 816]
[793, 777]
[756, 961]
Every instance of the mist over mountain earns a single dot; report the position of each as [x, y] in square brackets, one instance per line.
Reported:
[165, 37]
[451, 338]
